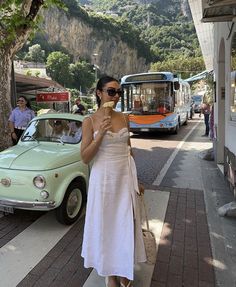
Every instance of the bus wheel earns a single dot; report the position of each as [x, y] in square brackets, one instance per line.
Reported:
[186, 121]
[176, 129]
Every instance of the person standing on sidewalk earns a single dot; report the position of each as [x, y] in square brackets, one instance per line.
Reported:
[78, 108]
[112, 241]
[206, 110]
[19, 118]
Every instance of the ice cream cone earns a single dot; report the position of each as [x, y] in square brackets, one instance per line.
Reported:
[108, 106]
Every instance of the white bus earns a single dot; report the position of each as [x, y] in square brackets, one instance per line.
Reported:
[155, 101]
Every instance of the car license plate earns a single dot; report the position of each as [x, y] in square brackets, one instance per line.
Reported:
[7, 209]
[144, 130]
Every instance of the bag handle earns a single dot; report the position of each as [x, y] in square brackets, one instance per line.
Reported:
[145, 211]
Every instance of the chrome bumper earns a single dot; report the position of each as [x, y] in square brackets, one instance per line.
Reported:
[39, 205]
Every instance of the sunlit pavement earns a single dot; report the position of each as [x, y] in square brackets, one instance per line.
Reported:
[197, 246]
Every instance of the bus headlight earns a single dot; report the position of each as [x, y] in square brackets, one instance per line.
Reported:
[39, 181]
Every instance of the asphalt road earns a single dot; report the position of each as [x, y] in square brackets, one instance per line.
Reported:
[152, 151]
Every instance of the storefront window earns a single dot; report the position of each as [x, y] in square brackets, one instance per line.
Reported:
[233, 80]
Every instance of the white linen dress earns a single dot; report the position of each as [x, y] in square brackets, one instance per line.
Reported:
[112, 241]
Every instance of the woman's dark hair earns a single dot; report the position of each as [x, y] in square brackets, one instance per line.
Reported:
[27, 101]
[100, 85]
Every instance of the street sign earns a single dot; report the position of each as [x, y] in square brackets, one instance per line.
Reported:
[53, 97]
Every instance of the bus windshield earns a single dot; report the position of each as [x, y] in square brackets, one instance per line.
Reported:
[148, 98]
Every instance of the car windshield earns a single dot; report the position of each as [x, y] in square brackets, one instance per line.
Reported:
[53, 130]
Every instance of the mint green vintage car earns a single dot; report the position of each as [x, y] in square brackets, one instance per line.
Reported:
[44, 171]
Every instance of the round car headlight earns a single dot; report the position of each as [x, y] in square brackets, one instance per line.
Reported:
[39, 181]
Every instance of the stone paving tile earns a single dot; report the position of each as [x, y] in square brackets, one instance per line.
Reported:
[63, 265]
[11, 225]
[184, 255]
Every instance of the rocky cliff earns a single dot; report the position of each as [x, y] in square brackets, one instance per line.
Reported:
[108, 52]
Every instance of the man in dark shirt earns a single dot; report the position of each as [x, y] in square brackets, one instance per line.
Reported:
[79, 108]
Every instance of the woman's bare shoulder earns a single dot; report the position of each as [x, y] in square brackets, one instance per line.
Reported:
[122, 115]
[91, 121]
[88, 122]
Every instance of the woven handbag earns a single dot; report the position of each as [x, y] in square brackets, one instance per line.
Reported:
[149, 239]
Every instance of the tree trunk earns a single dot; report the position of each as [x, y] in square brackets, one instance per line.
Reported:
[5, 100]
[13, 34]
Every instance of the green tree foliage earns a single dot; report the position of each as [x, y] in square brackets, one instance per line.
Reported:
[86, 101]
[233, 58]
[79, 75]
[35, 54]
[183, 66]
[18, 19]
[57, 67]
[82, 75]
[209, 95]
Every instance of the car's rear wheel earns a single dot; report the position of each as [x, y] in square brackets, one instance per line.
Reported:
[72, 205]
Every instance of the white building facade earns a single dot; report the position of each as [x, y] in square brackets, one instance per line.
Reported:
[219, 18]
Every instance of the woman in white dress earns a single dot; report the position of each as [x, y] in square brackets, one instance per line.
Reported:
[112, 241]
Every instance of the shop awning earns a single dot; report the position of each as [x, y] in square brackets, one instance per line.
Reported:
[199, 76]
[29, 85]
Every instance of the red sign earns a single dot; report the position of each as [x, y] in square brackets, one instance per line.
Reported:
[53, 97]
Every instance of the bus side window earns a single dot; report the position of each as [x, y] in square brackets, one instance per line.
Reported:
[176, 86]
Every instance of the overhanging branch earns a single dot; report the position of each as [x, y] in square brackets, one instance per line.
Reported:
[25, 7]
[34, 9]
[24, 30]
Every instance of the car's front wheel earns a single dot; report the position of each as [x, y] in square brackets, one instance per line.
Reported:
[72, 205]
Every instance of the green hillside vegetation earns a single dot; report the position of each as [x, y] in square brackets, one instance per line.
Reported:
[160, 31]
[117, 27]
[161, 24]
[169, 32]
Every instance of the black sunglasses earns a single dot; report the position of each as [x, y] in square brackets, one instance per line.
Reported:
[113, 92]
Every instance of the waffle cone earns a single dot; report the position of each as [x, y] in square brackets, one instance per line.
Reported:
[108, 107]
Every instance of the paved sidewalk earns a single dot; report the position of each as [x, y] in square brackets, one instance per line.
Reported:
[197, 246]
[184, 255]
